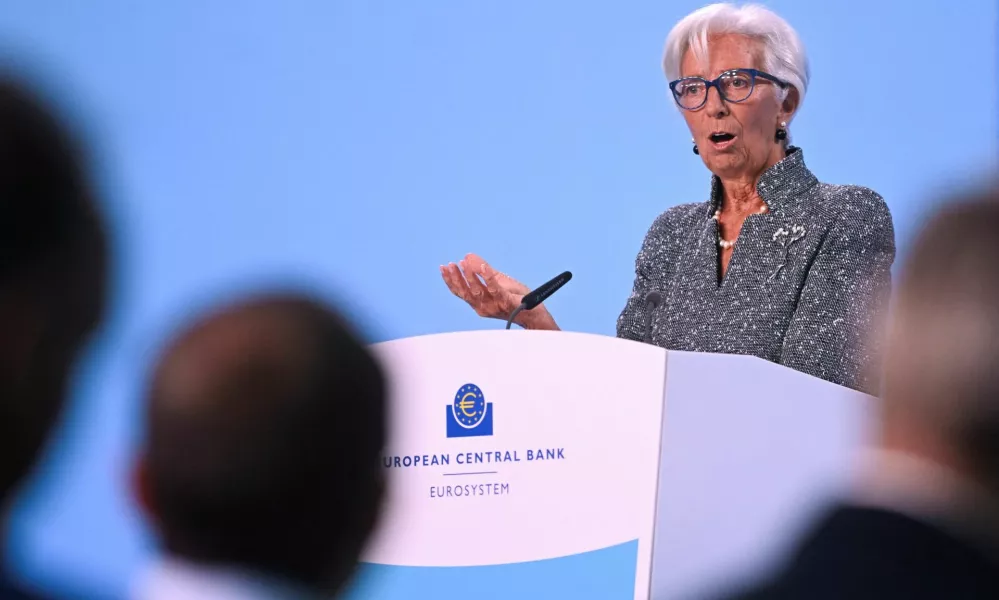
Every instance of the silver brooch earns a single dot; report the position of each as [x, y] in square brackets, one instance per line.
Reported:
[786, 238]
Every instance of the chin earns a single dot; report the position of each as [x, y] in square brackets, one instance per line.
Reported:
[726, 165]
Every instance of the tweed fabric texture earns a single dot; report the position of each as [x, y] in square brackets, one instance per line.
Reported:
[806, 287]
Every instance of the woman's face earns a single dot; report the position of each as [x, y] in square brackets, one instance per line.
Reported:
[736, 139]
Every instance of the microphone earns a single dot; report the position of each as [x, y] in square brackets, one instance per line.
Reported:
[652, 301]
[539, 295]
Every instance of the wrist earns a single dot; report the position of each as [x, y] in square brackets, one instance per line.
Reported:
[537, 318]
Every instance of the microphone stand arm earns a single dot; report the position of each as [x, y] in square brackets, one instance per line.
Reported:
[513, 315]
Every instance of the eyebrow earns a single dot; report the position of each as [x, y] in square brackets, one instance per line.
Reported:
[719, 74]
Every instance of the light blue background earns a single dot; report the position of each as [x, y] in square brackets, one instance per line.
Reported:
[361, 143]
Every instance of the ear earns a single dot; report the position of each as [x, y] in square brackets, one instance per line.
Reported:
[141, 489]
[790, 104]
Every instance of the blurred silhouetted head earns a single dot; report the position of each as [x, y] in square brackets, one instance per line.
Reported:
[266, 423]
[52, 274]
[942, 367]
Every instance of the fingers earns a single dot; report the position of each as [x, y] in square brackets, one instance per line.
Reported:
[456, 282]
[472, 263]
[489, 275]
[475, 260]
[474, 283]
[461, 283]
[446, 276]
[478, 266]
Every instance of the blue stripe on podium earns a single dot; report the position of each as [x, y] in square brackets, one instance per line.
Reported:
[605, 574]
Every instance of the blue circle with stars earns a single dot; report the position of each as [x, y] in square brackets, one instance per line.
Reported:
[469, 406]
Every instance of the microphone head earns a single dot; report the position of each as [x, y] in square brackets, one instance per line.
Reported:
[653, 299]
[536, 297]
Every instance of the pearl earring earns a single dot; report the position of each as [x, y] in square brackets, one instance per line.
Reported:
[782, 132]
[694, 142]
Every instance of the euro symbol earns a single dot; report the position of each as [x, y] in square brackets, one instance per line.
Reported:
[467, 405]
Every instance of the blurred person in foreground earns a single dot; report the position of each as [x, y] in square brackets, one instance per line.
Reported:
[924, 522]
[773, 263]
[52, 280]
[261, 467]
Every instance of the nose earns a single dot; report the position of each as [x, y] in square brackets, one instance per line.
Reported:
[714, 104]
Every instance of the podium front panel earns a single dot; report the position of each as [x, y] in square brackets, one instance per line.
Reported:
[752, 452]
[521, 465]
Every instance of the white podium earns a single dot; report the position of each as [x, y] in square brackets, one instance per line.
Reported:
[562, 465]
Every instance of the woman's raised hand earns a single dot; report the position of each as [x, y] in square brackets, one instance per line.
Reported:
[490, 293]
[493, 294]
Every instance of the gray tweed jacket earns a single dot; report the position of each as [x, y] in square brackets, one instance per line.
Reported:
[807, 283]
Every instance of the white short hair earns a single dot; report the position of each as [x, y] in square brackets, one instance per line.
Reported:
[783, 53]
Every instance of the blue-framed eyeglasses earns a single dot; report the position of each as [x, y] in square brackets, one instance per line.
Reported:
[735, 85]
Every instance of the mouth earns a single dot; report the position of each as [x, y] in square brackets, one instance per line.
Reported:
[721, 137]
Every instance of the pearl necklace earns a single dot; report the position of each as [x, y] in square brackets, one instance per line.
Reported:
[726, 244]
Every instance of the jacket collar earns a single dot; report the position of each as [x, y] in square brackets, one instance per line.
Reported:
[779, 186]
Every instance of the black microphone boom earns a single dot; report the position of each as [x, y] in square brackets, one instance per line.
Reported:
[535, 297]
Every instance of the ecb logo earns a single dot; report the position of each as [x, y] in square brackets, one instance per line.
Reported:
[469, 415]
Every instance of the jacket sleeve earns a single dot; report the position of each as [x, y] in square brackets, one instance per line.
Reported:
[835, 330]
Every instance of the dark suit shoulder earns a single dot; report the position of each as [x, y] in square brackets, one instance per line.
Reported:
[10, 591]
[871, 553]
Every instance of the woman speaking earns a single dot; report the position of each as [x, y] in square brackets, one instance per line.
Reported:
[774, 264]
